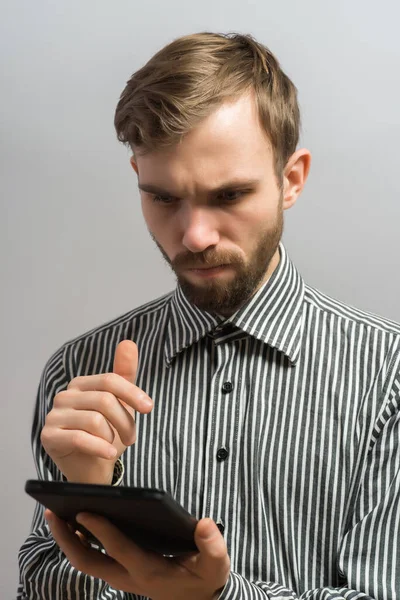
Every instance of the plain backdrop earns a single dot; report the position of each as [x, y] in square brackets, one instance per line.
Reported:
[74, 248]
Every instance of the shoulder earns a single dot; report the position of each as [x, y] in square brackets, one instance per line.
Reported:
[94, 349]
[370, 341]
[319, 301]
[371, 338]
[149, 313]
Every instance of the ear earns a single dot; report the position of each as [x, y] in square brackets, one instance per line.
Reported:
[134, 165]
[295, 176]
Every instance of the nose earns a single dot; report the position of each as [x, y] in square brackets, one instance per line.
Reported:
[200, 229]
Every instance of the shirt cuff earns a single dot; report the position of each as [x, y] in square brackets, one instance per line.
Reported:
[238, 587]
[118, 474]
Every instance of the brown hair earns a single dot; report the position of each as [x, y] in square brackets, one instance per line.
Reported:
[189, 78]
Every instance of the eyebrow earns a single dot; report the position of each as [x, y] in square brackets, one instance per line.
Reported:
[229, 185]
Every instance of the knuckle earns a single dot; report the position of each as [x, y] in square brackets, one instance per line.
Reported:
[45, 435]
[219, 551]
[75, 382]
[59, 398]
[109, 379]
[48, 439]
[76, 440]
[49, 419]
[106, 401]
[97, 420]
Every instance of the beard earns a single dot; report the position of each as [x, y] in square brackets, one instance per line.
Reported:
[226, 297]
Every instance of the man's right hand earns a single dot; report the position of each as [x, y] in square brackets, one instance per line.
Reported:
[92, 422]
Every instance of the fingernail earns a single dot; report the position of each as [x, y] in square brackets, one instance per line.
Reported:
[208, 532]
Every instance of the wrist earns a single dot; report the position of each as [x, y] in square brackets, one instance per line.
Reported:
[94, 474]
[218, 593]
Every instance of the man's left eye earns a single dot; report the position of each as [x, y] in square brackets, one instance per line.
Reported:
[163, 199]
[231, 195]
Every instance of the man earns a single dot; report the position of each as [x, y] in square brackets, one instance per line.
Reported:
[267, 409]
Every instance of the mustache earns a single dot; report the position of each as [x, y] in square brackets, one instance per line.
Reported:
[194, 260]
[206, 260]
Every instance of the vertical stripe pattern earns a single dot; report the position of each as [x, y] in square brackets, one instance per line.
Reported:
[281, 423]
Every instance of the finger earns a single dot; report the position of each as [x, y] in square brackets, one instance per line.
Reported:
[126, 360]
[59, 443]
[89, 561]
[119, 546]
[104, 403]
[213, 555]
[86, 420]
[116, 385]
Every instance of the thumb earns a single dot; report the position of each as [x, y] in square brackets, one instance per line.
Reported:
[126, 360]
[213, 557]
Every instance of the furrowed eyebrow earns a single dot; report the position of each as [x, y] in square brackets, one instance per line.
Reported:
[153, 189]
[228, 186]
[235, 184]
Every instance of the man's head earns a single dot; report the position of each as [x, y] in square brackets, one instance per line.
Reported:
[213, 124]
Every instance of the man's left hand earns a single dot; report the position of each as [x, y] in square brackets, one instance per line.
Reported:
[128, 568]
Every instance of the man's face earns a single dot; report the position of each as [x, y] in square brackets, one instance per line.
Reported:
[213, 200]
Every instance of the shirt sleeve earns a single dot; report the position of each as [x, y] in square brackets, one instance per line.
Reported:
[368, 560]
[44, 571]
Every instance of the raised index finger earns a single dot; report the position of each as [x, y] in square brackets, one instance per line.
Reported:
[116, 385]
[126, 360]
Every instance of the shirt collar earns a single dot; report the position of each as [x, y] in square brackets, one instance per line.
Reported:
[273, 315]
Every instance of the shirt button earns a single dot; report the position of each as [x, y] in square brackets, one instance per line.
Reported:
[227, 387]
[222, 454]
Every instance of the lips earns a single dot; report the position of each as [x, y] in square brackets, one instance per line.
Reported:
[207, 273]
[205, 268]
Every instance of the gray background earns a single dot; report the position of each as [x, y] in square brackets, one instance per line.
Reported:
[74, 249]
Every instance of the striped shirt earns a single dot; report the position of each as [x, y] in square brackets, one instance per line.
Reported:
[281, 423]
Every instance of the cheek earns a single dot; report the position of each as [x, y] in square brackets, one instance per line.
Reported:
[255, 226]
[248, 225]
[152, 218]
[263, 217]
[146, 212]
[160, 230]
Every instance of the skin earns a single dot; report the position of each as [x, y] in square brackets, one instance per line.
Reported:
[198, 219]
[92, 422]
[194, 225]
[126, 567]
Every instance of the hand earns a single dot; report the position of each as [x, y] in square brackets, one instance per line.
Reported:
[92, 422]
[130, 569]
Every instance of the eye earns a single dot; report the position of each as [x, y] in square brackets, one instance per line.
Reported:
[163, 199]
[231, 195]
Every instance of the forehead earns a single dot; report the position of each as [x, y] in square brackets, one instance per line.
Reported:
[230, 142]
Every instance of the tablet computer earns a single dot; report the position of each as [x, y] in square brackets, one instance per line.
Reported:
[150, 517]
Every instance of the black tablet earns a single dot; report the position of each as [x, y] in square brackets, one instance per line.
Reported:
[150, 517]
